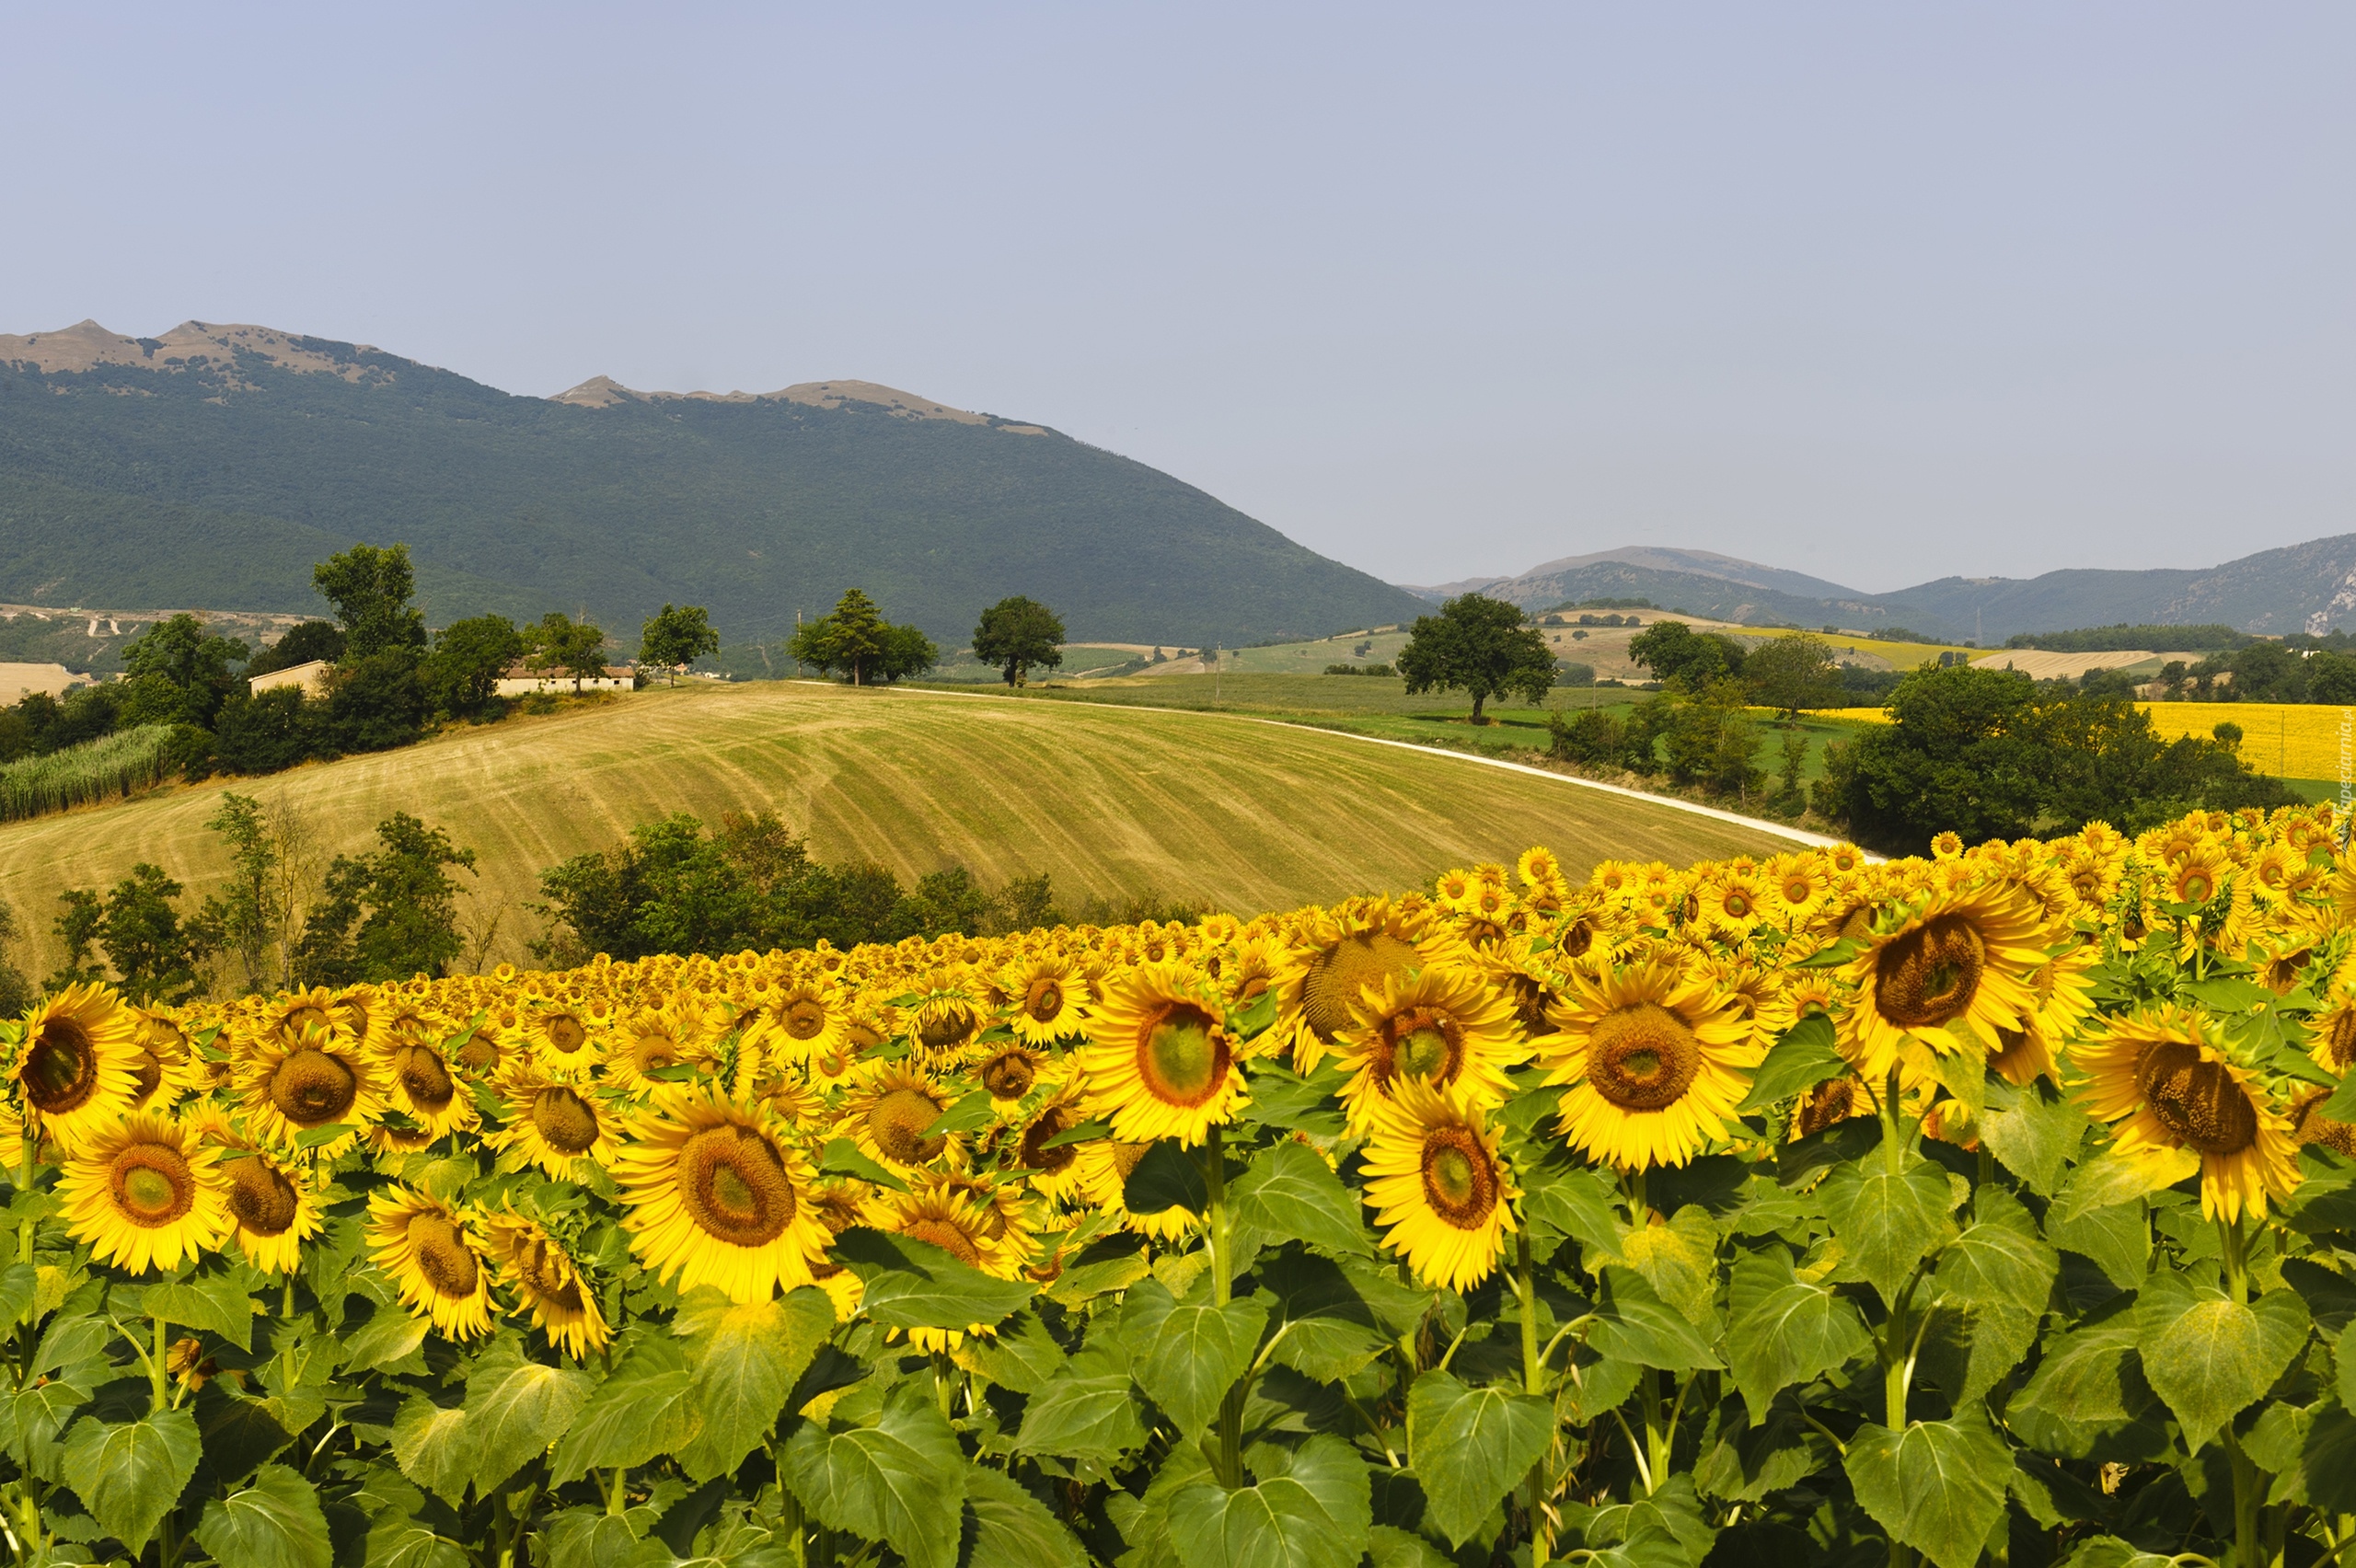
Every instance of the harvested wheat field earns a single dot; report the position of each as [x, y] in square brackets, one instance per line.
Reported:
[1247, 815]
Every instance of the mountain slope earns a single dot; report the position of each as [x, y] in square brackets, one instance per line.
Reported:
[1110, 801]
[2307, 587]
[216, 464]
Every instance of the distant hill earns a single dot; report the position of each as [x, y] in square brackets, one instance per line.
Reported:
[2309, 587]
[212, 465]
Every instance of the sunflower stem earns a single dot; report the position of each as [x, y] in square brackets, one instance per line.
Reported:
[2235, 1246]
[1525, 1285]
[28, 1142]
[1230, 1457]
[159, 1377]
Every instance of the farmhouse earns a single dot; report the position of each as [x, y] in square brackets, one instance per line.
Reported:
[312, 678]
[520, 681]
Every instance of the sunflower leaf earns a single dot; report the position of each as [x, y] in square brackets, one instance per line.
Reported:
[1803, 1057]
[1290, 1193]
[744, 1359]
[1008, 1527]
[841, 1158]
[210, 1303]
[2032, 1132]
[2209, 1356]
[273, 1522]
[643, 1408]
[1784, 1329]
[1470, 1447]
[901, 1482]
[1310, 1506]
[516, 1409]
[434, 1448]
[969, 1112]
[1167, 1177]
[1937, 1487]
[312, 1137]
[1999, 1261]
[915, 1284]
[1082, 1418]
[1087, 1132]
[1633, 1323]
[1887, 1220]
[130, 1476]
[1188, 1355]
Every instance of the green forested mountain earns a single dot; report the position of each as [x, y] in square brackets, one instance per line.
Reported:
[211, 467]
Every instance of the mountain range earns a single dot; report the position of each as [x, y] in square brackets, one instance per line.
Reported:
[215, 464]
[2309, 587]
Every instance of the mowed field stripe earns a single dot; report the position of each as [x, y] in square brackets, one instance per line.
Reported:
[1110, 801]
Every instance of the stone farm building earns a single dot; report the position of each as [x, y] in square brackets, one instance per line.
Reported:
[520, 681]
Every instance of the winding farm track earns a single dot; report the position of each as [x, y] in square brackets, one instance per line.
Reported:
[1246, 813]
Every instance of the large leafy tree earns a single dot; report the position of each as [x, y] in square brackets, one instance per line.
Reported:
[461, 676]
[1479, 645]
[389, 914]
[559, 642]
[179, 674]
[371, 588]
[1016, 633]
[856, 640]
[676, 637]
[1683, 659]
[1791, 674]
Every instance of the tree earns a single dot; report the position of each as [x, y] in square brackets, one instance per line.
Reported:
[305, 643]
[371, 589]
[461, 677]
[388, 915]
[268, 731]
[178, 674]
[153, 952]
[1683, 659]
[1713, 742]
[17, 991]
[376, 702]
[857, 640]
[674, 639]
[1479, 645]
[559, 642]
[1016, 633]
[1790, 674]
[248, 912]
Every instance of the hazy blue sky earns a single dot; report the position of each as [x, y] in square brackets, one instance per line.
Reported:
[1880, 291]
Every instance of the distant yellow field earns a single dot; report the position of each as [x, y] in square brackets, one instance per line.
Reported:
[1901, 655]
[2290, 740]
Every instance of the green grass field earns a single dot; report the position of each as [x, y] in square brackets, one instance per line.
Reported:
[1110, 800]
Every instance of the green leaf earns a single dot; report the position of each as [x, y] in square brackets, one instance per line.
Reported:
[1999, 1261]
[1804, 1057]
[1633, 1323]
[20, 1285]
[2329, 1458]
[1744, 1459]
[1338, 1317]
[643, 1409]
[1022, 1355]
[1679, 1259]
[1665, 1528]
[2116, 1239]
[2032, 1132]
[434, 1448]
[2088, 1381]
[1391, 1546]
[1290, 1193]
[1578, 1203]
[1783, 1329]
[1008, 1527]
[1470, 1446]
[1186, 1355]
[971, 1111]
[516, 1409]
[396, 1541]
[209, 1303]
[130, 1476]
[915, 1284]
[2209, 1356]
[901, 1482]
[591, 1537]
[1309, 1508]
[1087, 1132]
[1166, 1178]
[390, 1334]
[1082, 1418]
[1284, 1100]
[1937, 1487]
[841, 1158]
[238, 1433]
[1887, 1220]
[745, 1360]
[2108, 1178]
[273, 1522]
[2109, 1552]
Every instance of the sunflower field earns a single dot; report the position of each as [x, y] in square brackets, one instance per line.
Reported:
[1768, 1214]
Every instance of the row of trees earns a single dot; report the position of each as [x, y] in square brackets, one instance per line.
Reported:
[855, 641]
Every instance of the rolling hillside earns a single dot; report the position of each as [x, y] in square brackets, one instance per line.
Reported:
[1110, 800]
[2309, 587]
[212, 465]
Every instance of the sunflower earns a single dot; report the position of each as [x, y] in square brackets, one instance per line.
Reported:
[717, 1197]
[77, 1066]
[164, 1065]
[145, 1193]
[887, 1112]
[1948, 970]
[1056, 1172]
[286, 1017]
[1009, 1071]
[1733, 903]
[800, 1020]
[2172, 1094]
[320, 1078]
[1438, 1186]
[1336, 953]
[1444, 1024]
[434, 1258]
[1048, 1002]
[563, 1038]
[1160, 1059]
[553, 1124]
[273, 1207]
[1542, 879]
[418, 1084]
[959, 1221]
[651, 1039]
[1796, 885]
[942, 1026]
[1658, 1055]
[545, 1279]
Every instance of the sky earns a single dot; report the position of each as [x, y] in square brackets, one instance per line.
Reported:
[1879, 293]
